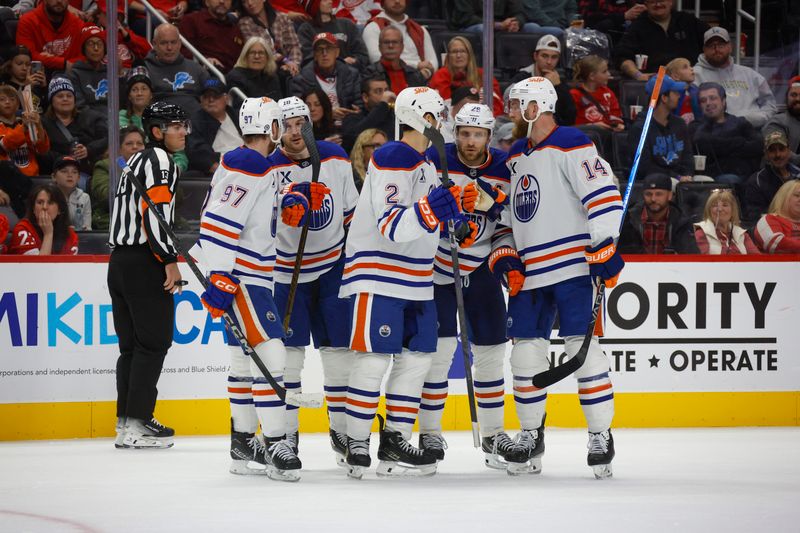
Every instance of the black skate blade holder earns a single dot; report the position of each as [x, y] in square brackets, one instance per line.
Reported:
[299, 399]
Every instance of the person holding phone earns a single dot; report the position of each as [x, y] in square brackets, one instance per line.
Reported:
[19, 70]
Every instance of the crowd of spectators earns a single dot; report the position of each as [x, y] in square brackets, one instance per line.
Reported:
[714, 121]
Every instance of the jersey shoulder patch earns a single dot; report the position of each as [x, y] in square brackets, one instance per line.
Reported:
[565, 138]
[246, 161]
[396, 155]
[328, 149]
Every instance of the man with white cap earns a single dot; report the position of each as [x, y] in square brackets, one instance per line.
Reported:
[748, 94]
[545, 62]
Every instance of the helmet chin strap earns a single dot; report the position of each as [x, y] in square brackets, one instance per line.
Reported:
[530, 122]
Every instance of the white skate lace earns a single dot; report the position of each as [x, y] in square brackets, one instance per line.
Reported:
[340, 438]
[598, 443]
[156, 424]
[282, 450]
[358, 447]
[291, 439]
[256, 445]
[410, 448]
[432, 441]
[502, 442]
[526, 439]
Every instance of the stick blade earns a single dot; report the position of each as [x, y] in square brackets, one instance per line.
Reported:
[311, 400]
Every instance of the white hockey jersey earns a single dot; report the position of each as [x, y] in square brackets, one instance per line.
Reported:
[389, 252]
[237, 229]
[325, 241]
[494, 172]
[562, 199]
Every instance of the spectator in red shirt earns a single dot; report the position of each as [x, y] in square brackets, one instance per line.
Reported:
[720, 232]
[596, 104]
[215, 33]
[3, 233]
[48, 31]
[778, 232]
[45, 230]
[689, 109]
[397, 73]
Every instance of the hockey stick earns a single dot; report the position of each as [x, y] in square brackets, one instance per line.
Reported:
[557, 373]
[438, 143]
[313, 153]
[290, 397]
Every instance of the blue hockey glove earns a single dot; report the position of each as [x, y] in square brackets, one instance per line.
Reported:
[218, 296]
[605, 262]
[439, 205]
[507, 267]
[294, 209]
[466, 231]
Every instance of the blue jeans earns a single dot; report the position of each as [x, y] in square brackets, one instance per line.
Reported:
[730, 179]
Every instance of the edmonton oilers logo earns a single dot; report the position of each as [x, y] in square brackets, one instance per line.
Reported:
[322, 216]
[526, 198]
[385, 330]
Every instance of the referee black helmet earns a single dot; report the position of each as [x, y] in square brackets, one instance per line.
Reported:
[162, 114]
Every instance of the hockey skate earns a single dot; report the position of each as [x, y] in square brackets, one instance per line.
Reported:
[526, 458]
[281, 461]
[399, 458]
[601, 453]
[495, 449]
[339, 446]
[433, 444]
[247, 454]
[152, 434]
[357, 457]
[293, 440]
[120, 429]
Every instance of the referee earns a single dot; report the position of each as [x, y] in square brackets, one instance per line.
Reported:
[142, 275]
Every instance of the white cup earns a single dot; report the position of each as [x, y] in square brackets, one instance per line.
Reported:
[641, 61]
[635, 110]
[699, 162]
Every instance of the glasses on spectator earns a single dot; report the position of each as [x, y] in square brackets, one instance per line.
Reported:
[256, 53]
[459, 51]
[324, 49]
[391, 42]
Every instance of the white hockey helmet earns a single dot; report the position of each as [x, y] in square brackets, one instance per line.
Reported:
[256, 117]
[535, 89]
[293, 107]
[476, 116]
[411, 106]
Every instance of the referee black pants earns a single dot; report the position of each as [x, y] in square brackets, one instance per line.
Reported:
[144, 316]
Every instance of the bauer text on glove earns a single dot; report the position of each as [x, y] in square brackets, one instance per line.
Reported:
[507, 267]
[605, 262]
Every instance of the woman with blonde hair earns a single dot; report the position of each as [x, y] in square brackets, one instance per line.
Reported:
[461, 70]
[255, 72]
[366, 143]
[720, 232]
[778, 232]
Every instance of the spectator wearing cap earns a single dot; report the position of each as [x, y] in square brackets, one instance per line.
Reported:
[255, 72]
[175, 79]
[668, 146]
[82, 134]
[545, 63]
[338, 80]
[275, 26]
[732, 146]
[47, 31]
[22, 138]
[377, 112]
[610, 16]
[548, 16]
[467, 15]
[417, 49]
[661, 35]
[760, 188]
[460, 97]
[66, 175]
[88, 73]
[353, 51]
[17, 72]
[789, 121]
[139, 95]
[749, 95]
[720, 232]
[778, 232]
[461, 70]
[657, 226]
[397, 72]
[215, 129]
[214, 32]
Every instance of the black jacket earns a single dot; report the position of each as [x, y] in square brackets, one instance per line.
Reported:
[680, 232]
[254, 83]
[667, 149]
[760, 189]
[199, 144]
[733, 147]
[381, 116]
[348, 84]
[90, 128]
[413, 76]
[464, 13]
[683, 38]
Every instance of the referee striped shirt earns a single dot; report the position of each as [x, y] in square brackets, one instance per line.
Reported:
[132, 223]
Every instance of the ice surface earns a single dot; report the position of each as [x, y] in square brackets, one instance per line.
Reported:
[685, 480]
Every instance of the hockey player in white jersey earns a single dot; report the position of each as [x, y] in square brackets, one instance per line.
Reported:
[388, 277]
[564, 212]
[237, 250]
[473, 166]
[317, 308]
